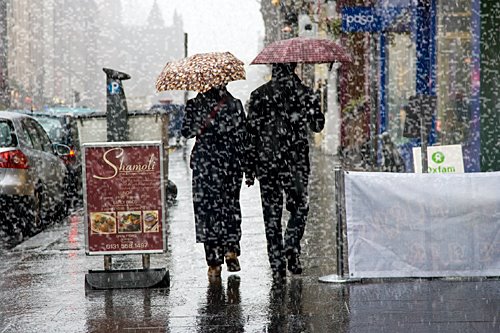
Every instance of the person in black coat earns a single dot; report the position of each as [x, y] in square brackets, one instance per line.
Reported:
[280, 112]
[217, 120]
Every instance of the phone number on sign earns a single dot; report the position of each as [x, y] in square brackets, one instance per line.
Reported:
[127, 246]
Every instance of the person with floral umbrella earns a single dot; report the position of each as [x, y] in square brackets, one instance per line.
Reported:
[217, 121]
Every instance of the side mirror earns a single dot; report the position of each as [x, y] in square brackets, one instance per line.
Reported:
[61, 150]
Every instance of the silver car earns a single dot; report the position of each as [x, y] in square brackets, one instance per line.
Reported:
[32, 176]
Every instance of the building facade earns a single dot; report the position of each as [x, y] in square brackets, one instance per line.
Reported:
[49, 55]
[443, 50]
[4, 88]
[56, 50]
[428, 48]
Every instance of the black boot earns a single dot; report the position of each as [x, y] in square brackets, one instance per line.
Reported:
[279, 274]
[294, 264]
[278, 266]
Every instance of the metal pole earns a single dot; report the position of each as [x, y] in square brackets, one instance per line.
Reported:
[185, 55]
[107, 262]
[146, 261]
[423, 135]
[339, 237]
[339, 188]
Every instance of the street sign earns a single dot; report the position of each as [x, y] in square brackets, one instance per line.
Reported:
[124, 195]
[360, 19]
[373, 19]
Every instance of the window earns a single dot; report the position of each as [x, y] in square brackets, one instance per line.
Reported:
[44, 138]
[454, 71]
[401, 81]
[53, 127]
[32, 134]
[7, 135]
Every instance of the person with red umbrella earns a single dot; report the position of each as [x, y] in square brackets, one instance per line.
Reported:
[280, 114]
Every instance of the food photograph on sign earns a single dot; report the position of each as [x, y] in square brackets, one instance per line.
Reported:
[129, 222]
[103, 223]
[151, 221]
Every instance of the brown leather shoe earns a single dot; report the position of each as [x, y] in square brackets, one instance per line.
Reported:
[232, 262]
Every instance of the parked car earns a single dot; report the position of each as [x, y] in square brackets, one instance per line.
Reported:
[61, 126]
[32, 175]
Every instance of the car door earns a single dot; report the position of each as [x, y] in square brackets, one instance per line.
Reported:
[47, 164]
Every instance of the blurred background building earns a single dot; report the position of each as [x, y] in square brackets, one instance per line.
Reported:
[54, 51]
[4, 92]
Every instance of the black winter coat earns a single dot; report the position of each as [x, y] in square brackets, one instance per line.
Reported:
[217, 163]
[219, 135]
[279, 116]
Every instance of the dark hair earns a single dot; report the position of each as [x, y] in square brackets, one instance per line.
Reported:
[283, 69]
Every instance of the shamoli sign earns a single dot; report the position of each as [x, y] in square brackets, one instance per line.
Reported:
[123, 198]
[122, 165]
[441, 159]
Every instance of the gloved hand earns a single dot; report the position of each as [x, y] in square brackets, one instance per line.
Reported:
[249, 179]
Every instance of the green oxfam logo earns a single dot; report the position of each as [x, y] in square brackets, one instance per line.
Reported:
[438, 157]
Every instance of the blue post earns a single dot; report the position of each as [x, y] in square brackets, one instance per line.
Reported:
[472, 153]
[425, 21]
[422, 21]
[383, 74]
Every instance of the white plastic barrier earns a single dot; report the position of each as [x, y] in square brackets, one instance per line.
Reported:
[142, 126]
[422, 225]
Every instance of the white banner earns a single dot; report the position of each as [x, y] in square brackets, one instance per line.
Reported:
[423, 225]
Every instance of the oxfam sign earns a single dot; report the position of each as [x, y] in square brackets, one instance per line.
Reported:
[440, 159]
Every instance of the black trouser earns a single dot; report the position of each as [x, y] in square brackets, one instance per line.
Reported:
[216, 201]
[214, 252]
[272, 188]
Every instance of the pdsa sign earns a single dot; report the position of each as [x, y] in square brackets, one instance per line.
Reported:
[440, 159]
[123, 198]
[360, 19]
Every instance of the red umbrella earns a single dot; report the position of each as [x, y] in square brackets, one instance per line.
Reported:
[302, 50]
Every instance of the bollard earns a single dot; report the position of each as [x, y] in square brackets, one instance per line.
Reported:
[107, 262]
[145, 261]
[339, 204]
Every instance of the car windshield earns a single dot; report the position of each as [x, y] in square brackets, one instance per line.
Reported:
[52, 126]
[7, 135]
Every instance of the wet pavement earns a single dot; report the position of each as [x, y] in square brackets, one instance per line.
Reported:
[42, 282]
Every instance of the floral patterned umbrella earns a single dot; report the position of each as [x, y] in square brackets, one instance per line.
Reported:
[302, 50]
[201, 72]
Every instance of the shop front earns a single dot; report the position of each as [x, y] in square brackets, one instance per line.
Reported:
[423, 48]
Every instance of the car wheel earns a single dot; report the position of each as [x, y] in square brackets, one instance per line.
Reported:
[11, 233]
[35, 222]
[63, 208]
